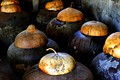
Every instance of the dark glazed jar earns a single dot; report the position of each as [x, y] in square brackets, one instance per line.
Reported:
[12, 21]
[106, 65]
[50, 11]
[28, 47]
[87, 42]
[60, 28]
[58, 66]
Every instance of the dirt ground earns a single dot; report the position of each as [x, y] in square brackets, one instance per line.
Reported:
[6, 73]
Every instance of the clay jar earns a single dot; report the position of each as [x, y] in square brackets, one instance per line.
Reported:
[106, 64]
[28, 47]
[50, 11]
[58, 66]
[87, 42]
[63, 25]
[12, 21]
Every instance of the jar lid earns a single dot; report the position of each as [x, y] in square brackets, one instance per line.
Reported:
[94, 28]
[11, 8]
[57, 63]
[70, 14]
[8, 2]
[112, 45]
[54, 5]
[31, 38]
